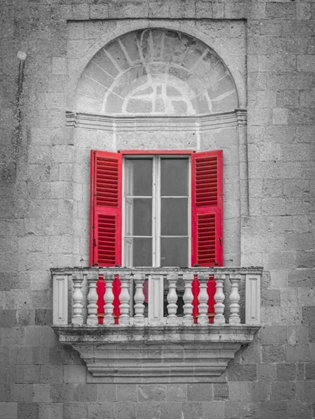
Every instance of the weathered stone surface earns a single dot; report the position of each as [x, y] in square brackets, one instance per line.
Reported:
[44, 212]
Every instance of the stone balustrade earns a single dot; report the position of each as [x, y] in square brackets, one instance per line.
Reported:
[236, 299]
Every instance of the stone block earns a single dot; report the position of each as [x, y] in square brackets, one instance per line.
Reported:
[301, 277]
[298, 353]
[80, 12]
[7, 318]
[125, 410]
[305, 259]
[192, 410]
[286, 371]
[78, 411]
[232, 410]
[100, 410]
[41, 393]
[50, 411]
[27, 411]
[281, 260]
[85, 393]
[273, 354]
[21, 392]
[282, 391]
[5, 392]
[108, 392]
[43, 316]
[281, 10]
[63, 393]
[21, 355]
[307, 99]
[74, 374]
[266, 372]
[148, 410]
[261, 391]
[298, 410]
[272, 410]
[306, 63]
[220, 392]
[27, 374]
[310, 371]
[273, 335]
[8, 410]
[151, 393]
[249, 355]
[124, 392]
[305, 391]
[213, 409]
[176, 392]
[270, 298]
[200, 392]
[297, 334]
[287, 98]
[99, 11]
[240, 391]
[171, 410]
[242, 372]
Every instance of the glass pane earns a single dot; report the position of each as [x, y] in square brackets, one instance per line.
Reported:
[142, 252]
[174, 252]
[142, 216]
[174, 216]
[174, 177]
[138, 177]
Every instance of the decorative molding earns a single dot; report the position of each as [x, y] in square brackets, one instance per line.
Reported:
[151, 354]
[156, 123]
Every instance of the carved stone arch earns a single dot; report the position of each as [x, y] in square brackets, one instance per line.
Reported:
[218, 49]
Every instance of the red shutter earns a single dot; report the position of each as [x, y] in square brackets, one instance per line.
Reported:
[105, 231]
[207, 231]
[106, 187]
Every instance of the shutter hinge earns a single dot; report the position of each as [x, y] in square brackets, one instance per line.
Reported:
[94, 242]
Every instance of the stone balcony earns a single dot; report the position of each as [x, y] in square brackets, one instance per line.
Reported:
[161, 325]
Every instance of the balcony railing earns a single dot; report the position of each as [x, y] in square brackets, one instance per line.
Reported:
[156, 296]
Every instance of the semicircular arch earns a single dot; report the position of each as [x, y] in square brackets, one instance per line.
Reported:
[156, 71]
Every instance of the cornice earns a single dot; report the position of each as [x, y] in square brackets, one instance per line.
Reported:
[156, 123]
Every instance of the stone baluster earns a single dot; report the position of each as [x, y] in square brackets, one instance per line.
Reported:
[172, 299]
[124, 299]
[188, 298]
[92, 298]
[234, 299]
[108, 299]
[139, 299]
[203, 299]
[77, 297]
[219, 299]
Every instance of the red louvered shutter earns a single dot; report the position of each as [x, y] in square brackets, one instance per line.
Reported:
[105, 219]
[106, 187]
[207, 229]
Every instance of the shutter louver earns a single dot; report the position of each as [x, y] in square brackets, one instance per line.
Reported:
[105, 248]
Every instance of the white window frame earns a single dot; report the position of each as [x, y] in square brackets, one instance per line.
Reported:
[156, 204]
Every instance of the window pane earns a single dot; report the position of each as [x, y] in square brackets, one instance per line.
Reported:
[138, 177]
[138, 252]
[174, 216]
[142, 216]
[174, 252]
[142, 252]
[174, 177]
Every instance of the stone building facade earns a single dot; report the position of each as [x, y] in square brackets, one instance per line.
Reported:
[230, 75]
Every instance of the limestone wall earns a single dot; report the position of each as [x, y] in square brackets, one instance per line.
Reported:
[268, 48]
